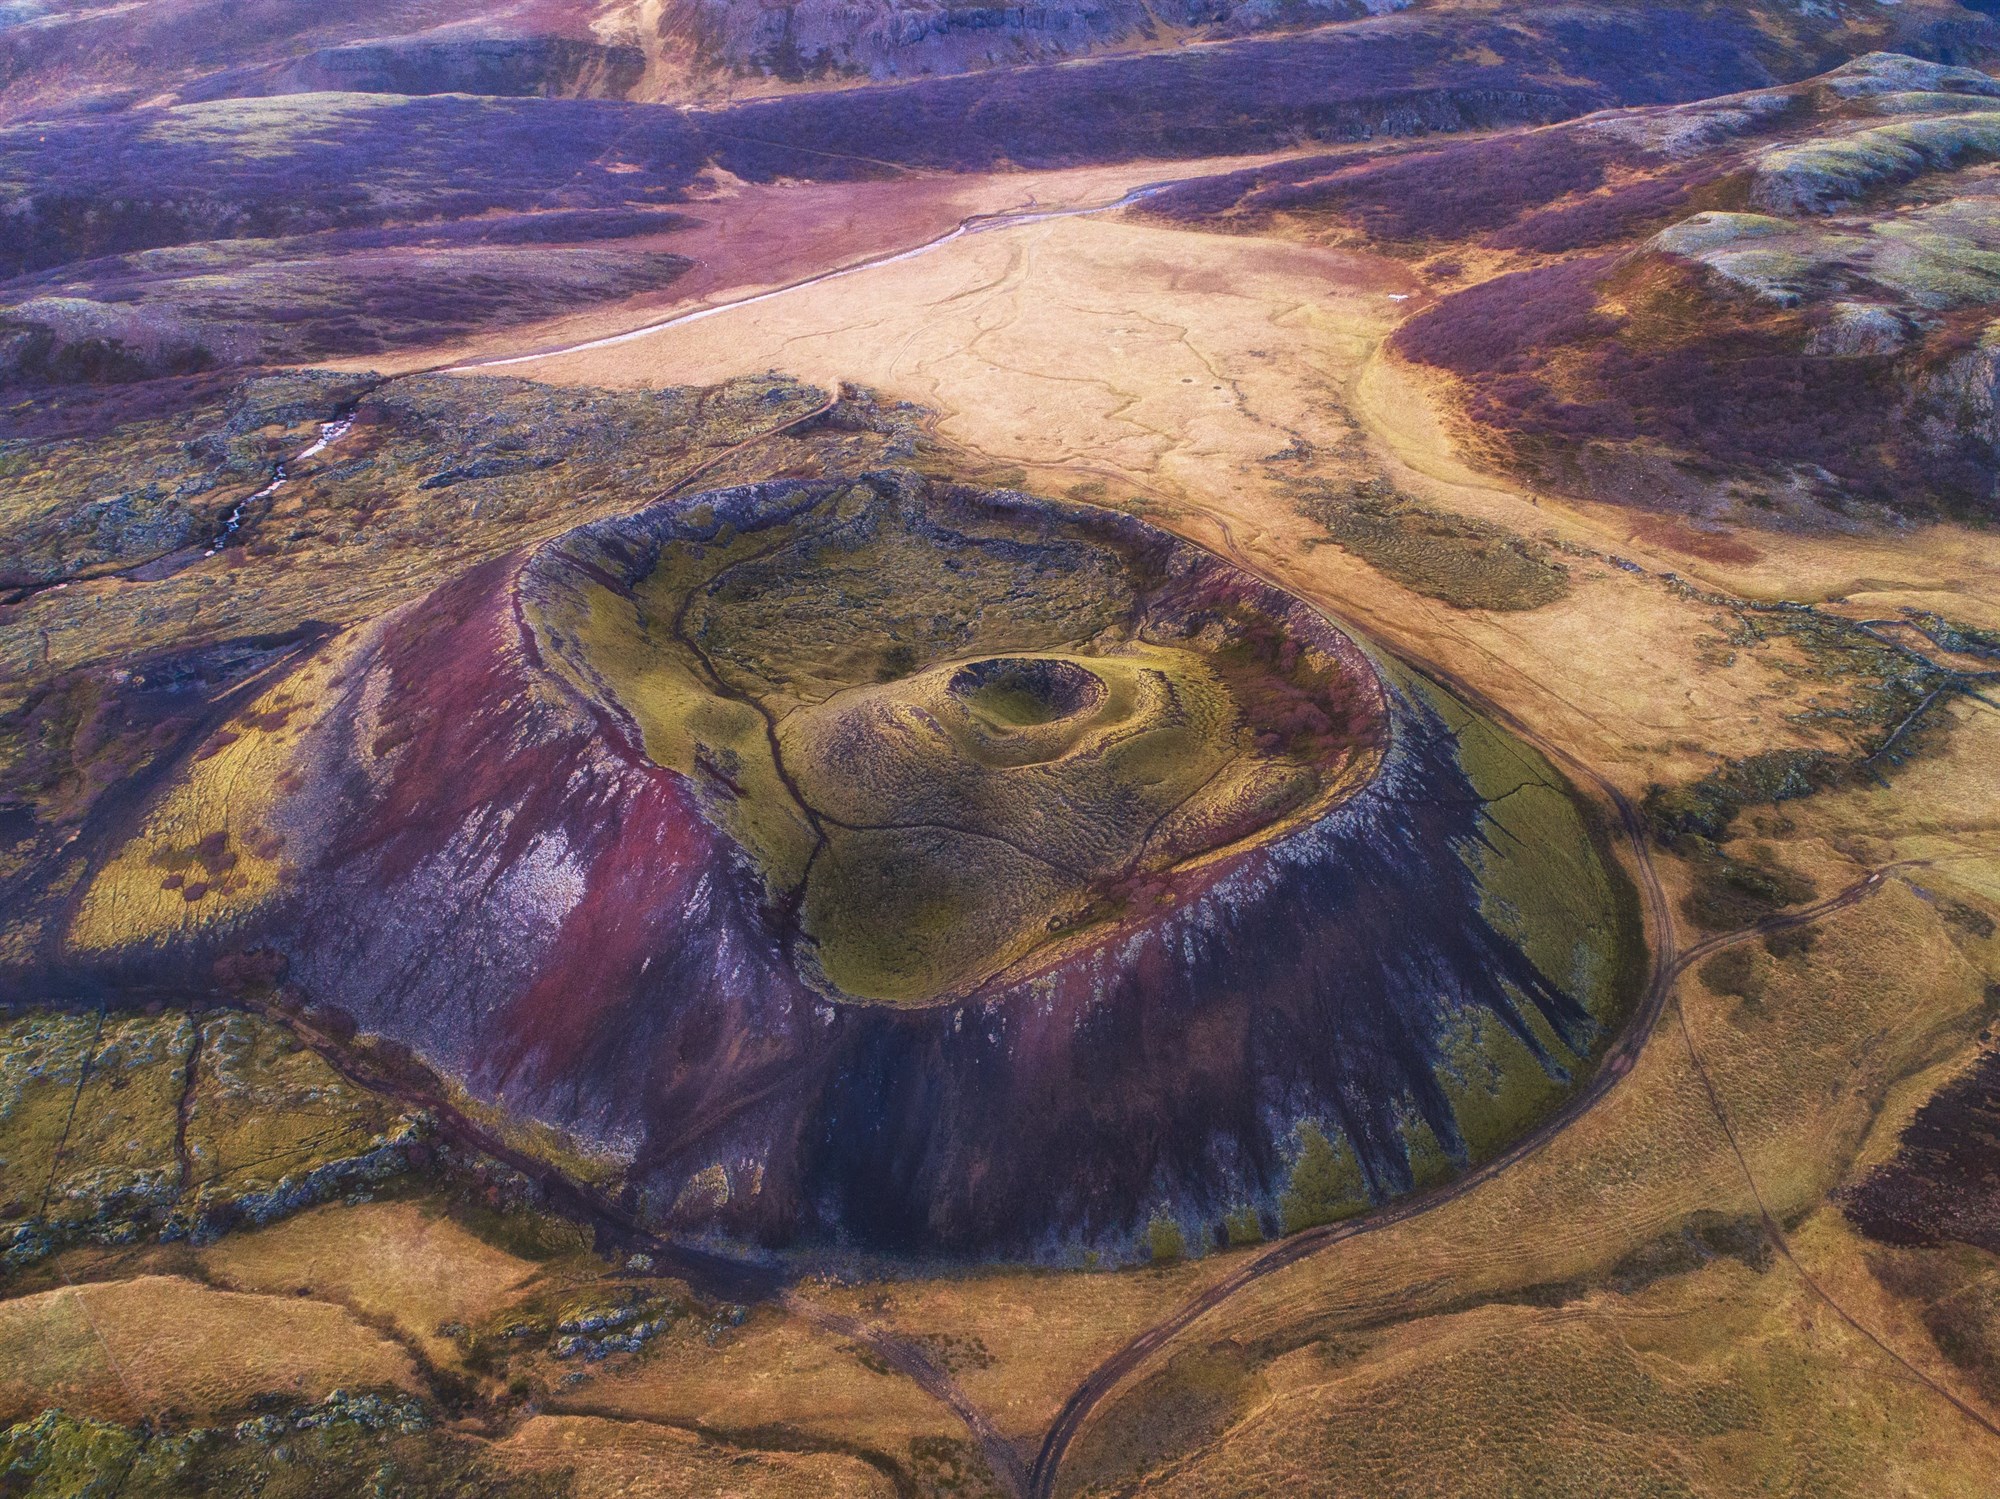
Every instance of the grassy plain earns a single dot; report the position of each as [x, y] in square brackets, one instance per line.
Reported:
[154, 1344]
[400, 1261]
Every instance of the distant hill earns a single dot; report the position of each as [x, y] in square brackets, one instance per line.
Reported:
[60, 56]
[1778, 306]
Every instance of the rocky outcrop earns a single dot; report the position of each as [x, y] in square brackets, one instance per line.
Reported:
[846, 39]
[1943, 1183]
[1839, 371]
[1954, 407]
[130, 1127]
[500, 66]
[62, 339]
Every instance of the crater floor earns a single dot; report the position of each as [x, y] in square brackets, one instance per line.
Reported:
[957, 732]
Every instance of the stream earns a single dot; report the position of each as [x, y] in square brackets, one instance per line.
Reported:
[329, 432]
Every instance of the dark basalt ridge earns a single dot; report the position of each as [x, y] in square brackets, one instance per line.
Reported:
[1943, 1183]
[493, 871]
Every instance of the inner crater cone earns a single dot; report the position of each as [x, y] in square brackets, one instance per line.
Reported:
[1012, 692]
[959, 736]
[917, 868]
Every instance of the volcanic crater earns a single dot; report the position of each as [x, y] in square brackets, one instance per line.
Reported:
[921, 868]
[955, 734]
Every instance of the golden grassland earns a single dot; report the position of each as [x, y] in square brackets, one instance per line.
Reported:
[399, 1261]
[155, 1344]
[775, 1372]
[609, 1459]
[1018, 1342]
[1722, 1381]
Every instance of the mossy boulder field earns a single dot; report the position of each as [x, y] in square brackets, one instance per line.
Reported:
[907, 865]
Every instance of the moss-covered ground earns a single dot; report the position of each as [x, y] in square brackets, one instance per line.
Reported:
[131, 646]
[952, 731]
[115, 1128]
[1470, 563]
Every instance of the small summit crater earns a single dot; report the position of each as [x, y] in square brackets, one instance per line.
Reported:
[1011, 692]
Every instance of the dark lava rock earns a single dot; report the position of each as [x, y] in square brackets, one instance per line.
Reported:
[1943, 1183]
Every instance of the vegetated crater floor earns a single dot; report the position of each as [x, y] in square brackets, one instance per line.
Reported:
[910, 866]
[959, 735]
